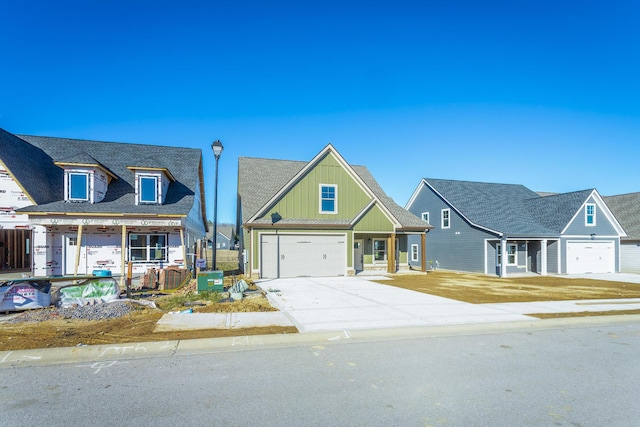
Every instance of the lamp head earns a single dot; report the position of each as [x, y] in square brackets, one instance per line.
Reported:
[217, 148]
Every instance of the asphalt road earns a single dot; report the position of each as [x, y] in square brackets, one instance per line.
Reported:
[575, 375]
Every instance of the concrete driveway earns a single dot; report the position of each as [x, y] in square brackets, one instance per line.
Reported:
[343, 303]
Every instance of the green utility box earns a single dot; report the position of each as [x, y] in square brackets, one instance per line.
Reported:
[211, 281]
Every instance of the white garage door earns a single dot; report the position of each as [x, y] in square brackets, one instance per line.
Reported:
[630, 257]
[590, 257]
[296, 255]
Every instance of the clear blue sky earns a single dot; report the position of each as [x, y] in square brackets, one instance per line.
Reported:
[545, 94]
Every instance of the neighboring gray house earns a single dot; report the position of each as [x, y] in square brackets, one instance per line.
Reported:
[626, 208]
[224, 241]
[97, 205]
[479, 225]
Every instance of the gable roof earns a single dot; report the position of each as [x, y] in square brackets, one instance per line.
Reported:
[509, 209]
[31, 160]
[224, 230]
[263, 181]
[626, 209]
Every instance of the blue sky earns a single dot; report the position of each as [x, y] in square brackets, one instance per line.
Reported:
[545, 94]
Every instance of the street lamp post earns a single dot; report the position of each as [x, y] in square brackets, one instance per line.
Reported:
[217, 150]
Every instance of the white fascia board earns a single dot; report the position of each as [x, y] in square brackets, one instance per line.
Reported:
[415, 194]
[603, 208]
[329, 149]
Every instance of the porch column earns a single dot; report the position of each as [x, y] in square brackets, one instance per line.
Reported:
[543, 257]
[391, 254]
[123, 249]
[423, 251]
[78, 249]
[394, 261]
[184, 249]
[503, 257]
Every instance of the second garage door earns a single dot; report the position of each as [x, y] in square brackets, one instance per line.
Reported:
[295, 255]
[590, 257]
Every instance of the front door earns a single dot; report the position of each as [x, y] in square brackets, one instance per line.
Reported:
[358, 254]
[70, 252]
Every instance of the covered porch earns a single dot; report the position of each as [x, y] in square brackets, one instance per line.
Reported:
[385, 252]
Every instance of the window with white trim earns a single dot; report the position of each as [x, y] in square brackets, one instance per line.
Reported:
[445, 220]
[148, 189]
[590, 215]
[379, 250]
[512, 254]
[425, 216]
[328, 199]
[148, 248]
[78, 187]
[414, 252]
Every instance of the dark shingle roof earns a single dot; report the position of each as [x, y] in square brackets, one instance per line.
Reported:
[626, 209]
[511, 209]
[260, 179]
[31, 160]
[32, 167]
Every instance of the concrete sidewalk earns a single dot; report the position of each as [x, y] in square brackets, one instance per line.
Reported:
[573, 306]
[194, 321]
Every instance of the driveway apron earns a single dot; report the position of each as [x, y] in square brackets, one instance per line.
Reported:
[342, 303]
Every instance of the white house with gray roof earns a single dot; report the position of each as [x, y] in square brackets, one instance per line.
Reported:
[626, 208]
[323, 217]
[91, 205]
[506, 228]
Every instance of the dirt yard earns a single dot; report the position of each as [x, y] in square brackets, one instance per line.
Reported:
[135, 327]
[139, 325]
[481, 289]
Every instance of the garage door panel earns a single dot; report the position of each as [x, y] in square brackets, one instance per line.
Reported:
[269, 256]
[306, 255]
[590, 257]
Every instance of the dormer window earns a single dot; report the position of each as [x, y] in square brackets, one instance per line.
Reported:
[85, 180]
[152, 184]
[78, 187]
[148, 186]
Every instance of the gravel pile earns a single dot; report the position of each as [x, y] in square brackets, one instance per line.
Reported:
[104, 311]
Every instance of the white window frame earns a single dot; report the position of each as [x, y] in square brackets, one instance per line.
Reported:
[514, 254]
[384, 251]
[155, 193]
[414, 252]
[335, 198]
[425, 217]
[592, 215]
[69, 187]
[447, 219]
[149, 249]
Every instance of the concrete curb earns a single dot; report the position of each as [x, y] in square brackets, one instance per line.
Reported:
[102, 355]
